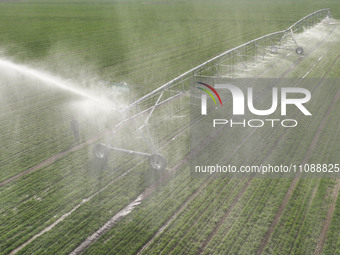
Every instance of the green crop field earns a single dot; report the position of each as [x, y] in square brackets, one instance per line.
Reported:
[55, 198]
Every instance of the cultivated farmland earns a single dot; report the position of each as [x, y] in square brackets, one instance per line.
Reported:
[56, 199]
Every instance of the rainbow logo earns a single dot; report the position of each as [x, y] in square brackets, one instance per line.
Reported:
[209, 93]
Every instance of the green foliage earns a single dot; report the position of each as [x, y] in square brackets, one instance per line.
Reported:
[147, 44]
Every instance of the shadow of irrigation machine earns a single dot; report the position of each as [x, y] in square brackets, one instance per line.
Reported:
[229, 64]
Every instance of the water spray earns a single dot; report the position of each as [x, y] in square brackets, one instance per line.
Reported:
[54, 80]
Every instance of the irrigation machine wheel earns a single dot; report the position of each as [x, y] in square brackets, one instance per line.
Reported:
[157, 161]
[299, 50]
[101, 152]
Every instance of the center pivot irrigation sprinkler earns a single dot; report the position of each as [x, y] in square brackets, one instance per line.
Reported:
[223, 65]
[156, 160]
[302, 24]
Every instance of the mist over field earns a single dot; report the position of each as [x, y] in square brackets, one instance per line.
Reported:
[98, 109]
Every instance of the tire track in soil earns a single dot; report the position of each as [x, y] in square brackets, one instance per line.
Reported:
[307, 156]
[107, 226]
